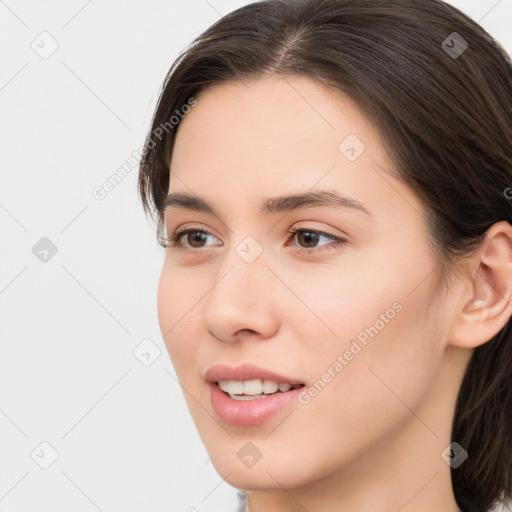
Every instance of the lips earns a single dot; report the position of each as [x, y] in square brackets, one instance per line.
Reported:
[251, 412]
[255, 410]
[246, 372]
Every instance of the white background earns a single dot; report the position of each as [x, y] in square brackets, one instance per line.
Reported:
[68, 327]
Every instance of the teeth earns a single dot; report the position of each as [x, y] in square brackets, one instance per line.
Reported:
[270, 386]
[235, 387]
[223, 384]
[251, 388]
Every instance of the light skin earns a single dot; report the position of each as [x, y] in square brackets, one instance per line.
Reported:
[372, 438]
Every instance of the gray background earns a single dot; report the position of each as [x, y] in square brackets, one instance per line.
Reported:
[70, 322]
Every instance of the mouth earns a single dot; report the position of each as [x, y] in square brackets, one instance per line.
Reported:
[254, 389]
[249, 395]
[235, 407]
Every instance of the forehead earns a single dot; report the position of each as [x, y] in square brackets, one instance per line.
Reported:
[293, 109]
[276, 135]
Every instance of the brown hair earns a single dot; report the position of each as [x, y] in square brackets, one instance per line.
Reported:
[443, 105]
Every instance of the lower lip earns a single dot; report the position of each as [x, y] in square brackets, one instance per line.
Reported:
[250, 412]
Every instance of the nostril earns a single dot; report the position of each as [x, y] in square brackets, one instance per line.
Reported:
[245, 331]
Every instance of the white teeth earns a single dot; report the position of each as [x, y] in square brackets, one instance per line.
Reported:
[269, 386]
[253, 387]
[235, 387]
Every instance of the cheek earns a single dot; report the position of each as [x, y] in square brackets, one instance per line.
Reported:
[166, 304]
[386, 344]
[390, 358]
[175, 306]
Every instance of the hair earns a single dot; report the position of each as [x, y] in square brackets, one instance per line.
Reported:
[444, 119]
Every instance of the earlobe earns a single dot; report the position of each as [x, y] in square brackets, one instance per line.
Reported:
[489, 307]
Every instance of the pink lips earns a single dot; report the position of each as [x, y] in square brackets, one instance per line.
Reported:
[248, 412]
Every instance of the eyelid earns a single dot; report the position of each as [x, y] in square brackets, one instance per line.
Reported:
[194, 228]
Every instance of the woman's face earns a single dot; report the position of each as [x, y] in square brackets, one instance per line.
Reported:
[353, 321]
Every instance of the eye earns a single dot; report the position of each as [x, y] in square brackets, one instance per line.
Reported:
[199, 237]
[309, 237]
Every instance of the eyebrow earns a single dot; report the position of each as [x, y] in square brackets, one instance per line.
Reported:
[272, 204]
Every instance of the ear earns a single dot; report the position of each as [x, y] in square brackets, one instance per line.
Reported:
[489, 285]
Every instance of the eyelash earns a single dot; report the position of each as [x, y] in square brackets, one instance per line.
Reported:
[178, 234]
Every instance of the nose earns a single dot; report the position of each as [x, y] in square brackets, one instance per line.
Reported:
[243, 301]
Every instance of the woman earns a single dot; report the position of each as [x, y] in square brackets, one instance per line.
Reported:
[332, 181]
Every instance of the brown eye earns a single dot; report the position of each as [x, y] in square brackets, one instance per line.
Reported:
[196, 238]
[308, 238]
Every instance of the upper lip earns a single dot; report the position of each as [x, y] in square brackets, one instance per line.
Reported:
[245, 372]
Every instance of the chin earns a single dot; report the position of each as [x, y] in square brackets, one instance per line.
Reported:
[267, 473]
